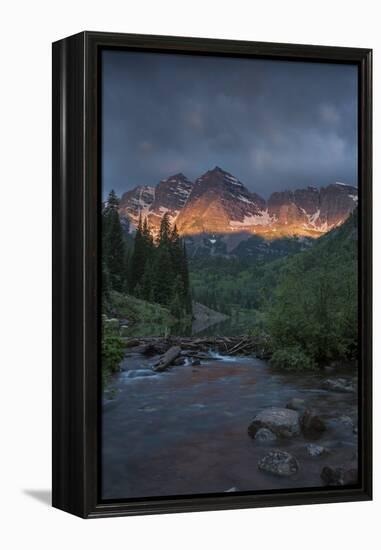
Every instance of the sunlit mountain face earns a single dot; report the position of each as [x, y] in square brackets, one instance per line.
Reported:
[218, 205]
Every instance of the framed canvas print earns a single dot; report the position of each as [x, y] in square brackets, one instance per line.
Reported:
[211, 274]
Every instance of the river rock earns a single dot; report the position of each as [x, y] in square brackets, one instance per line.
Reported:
[263, 434]
[342, 475]
[340, 385]
[316, 450]
[282, 422]
[312, 424]
[280, 463]
[196, 362]
[296, 404]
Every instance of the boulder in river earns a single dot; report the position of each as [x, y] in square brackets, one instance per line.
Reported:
[340, 385]
[282, 422]
[342, 475]
[316, 450]
[280, 463]
[263, 434]
[296, 404]
[312, 424]
[196, 362]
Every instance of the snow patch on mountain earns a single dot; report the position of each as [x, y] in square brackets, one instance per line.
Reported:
[262, 218]
[243, 199]
[233, 180]
[342, 184]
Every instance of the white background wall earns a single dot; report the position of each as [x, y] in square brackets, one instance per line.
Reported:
[27, 29]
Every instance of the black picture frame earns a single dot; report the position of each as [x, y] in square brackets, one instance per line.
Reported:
[76, 199]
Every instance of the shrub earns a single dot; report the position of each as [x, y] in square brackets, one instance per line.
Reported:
[112, 354]
[292, 358]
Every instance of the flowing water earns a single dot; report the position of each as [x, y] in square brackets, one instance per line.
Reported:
[184, 431]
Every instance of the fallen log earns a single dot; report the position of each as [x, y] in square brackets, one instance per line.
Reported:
[237, 346]
[167, 359]
[131, 342]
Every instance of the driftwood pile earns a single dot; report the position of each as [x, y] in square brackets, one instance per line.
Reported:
[173, 348]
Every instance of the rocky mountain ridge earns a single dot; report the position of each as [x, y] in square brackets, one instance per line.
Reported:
[218, 204]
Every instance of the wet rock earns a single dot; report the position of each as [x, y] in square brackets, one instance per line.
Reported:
[316, 450]
[312, 424]
[282, 422]
[179, 361]
[342, 475]
[340, 385]
[196, 362]
[263, 434]
[280, 463]
[296, 404]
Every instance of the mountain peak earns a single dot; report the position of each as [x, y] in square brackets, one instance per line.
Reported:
[219, 203]
[178, 176]
[218, 176]
[219, 170]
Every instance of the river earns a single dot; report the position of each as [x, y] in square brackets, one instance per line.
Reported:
[184, 431]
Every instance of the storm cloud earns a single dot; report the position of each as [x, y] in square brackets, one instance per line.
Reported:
[273, 124]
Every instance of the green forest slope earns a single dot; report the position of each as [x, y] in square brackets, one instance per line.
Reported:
[309, 301]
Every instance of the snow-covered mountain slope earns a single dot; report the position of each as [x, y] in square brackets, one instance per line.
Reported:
[218, 203]
[136, 202]
[171, 196]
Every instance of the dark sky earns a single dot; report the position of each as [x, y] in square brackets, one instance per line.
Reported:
[273, 124]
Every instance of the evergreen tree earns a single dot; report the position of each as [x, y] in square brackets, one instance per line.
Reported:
[160, 273]
[113, 245]
[138, 257]
[165, 233]
[184, 271]
[176, 305]
[163, 276]
[147, 282]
